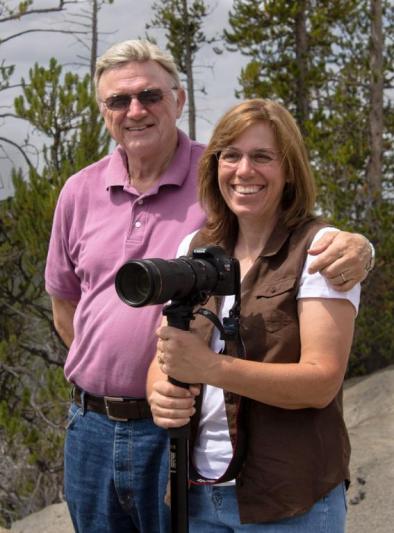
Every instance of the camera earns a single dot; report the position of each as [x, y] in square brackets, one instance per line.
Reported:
[209, 271]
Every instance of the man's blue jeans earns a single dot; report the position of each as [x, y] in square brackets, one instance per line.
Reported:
[115, 474]
[215, 510]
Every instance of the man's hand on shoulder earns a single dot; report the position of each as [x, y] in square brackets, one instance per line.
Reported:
[343, 258]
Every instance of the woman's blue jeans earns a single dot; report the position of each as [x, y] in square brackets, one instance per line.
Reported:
[215, 510]
[115, 474]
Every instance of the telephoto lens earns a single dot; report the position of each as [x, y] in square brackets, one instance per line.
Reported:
[156, 281]
[209, 271]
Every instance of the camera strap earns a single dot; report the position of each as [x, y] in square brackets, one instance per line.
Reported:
[229, 330]
[237, 406]
[207, 313]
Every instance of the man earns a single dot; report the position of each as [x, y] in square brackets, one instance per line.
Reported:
[140, 201]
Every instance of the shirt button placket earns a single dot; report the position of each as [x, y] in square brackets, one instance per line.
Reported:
[137, 220]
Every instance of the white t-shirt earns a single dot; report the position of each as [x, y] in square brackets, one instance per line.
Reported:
[213, 451]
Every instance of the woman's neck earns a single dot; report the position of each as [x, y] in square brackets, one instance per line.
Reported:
[251, 240]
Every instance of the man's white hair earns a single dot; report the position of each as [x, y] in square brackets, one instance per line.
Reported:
[135, 50]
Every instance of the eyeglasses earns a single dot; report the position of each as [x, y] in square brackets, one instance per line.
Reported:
[121, 102]
[231, 157]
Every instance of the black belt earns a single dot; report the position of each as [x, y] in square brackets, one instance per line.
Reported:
[118, 409]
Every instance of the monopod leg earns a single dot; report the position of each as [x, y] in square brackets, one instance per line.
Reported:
[179, 316]
[179, 460]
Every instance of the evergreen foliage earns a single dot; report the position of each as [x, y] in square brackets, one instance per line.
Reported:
[319, 59]
[33, 392]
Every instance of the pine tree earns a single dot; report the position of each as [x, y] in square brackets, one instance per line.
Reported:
[33, 391]
[331, 64]
[183, 22]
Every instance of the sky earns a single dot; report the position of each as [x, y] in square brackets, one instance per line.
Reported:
[124, 19]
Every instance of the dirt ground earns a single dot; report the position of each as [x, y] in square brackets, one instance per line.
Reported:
[369, 415]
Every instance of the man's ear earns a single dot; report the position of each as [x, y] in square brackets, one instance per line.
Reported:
[101, 107]
[181, 99]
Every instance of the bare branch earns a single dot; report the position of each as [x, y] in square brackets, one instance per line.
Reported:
[14, 371]
[69, 32]
[15, 86]
[21, 151]
[38, 410]
[19, 15]
[10, 115]
[42, 354]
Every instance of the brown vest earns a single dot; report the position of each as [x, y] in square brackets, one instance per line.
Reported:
[291, 458]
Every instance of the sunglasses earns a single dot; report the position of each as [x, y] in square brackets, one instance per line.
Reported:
[121, 102]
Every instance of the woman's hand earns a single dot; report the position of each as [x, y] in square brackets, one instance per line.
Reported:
[172, 406]
[185, 356]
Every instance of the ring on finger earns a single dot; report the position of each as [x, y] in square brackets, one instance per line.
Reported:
[343, 277]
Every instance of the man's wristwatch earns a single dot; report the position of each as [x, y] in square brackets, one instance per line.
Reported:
[371, 262]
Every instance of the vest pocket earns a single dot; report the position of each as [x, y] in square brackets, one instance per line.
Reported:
[275, 287]
[276, 300]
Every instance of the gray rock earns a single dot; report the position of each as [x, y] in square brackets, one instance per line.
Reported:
[369, 415]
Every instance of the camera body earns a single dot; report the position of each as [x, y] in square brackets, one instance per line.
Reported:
[209, 271]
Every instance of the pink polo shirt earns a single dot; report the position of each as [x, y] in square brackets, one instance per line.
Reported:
[100, 223]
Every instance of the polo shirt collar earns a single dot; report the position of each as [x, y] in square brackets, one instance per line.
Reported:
[175, 173]
[117, 172]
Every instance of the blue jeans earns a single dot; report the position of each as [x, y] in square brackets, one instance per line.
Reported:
[215, 509]
[115, 474]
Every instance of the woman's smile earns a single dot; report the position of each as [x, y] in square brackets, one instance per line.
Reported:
[246, 190]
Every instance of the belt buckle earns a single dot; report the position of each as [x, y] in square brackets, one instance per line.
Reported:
[107, 400]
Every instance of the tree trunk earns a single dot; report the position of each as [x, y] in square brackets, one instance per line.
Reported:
[189, 74]
[301, 41]
[374, 166]
[93, 48]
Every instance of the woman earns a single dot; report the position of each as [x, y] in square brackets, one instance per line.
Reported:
[273, 418]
